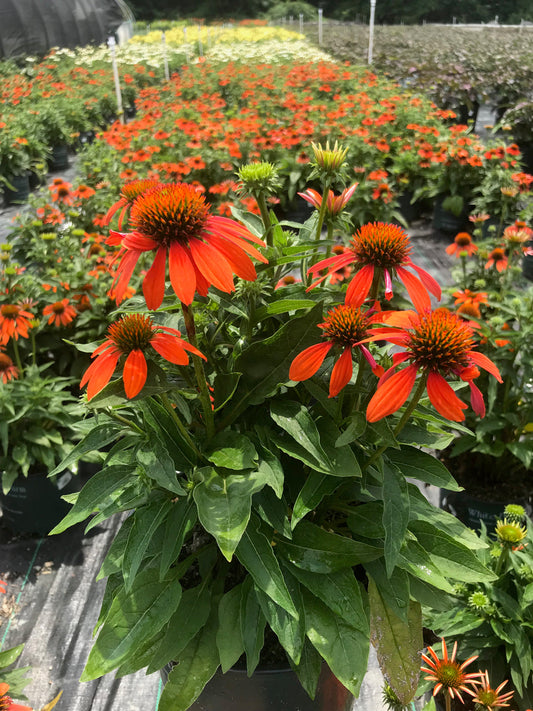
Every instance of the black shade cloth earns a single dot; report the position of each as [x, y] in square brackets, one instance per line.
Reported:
[32, 27]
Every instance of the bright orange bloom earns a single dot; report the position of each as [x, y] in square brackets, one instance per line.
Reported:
[497, 258]
[335, 204]
[439, 344]
[14, 322]
[466, 296]
[131, 336]
[8, 371]
[61, 313]
[7, 703]
[3, 587]
[128, 194]
[203, 250]
[60, 192]
[516, 235]
[344, 327]
[462, 243]
[449, 674]
[489, 698]
[380, 249]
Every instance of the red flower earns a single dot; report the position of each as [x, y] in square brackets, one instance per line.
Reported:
[129, 193]
[497, 258]
[344, 327]
[462, 243]
[335, 204]
[61, 313]
[8, 371]
[14, 322]
[380, 249]
[438, 344]
[203, 250]
[131, 336]
[6, 702]
[449, 674]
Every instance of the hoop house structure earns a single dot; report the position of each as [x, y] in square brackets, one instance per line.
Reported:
[32, 27]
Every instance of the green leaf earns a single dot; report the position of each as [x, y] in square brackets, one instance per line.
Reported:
[198, 663]
[180, 521]
[232, 450]
[96, 439]
[415, 560]
[113, 560]
[146, 520]
[319, 551]
[185, 623]
[367, 520]
[282, 306]
[308, 670]
[95, 492]
[430, 706]
[9, 656]
[298, 423]
[289, 630]
[453, 558]
[271, 470]
[343, 647]
[224, 386]
[229, 637]
[256, 555]
[415, 463]
[354, 429]
[398, 644]
[133, 619]
[395, 514]
[394, 589]
[158, 465]
[341, 457]
[252, 623]
[161, 422]
[317, 485]
[224, 505]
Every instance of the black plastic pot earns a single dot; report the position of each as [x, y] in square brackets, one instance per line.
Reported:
[526, 149]
[19, 190]
[472, 511]
[59, 157]
[34, 503]
[269, 690]
[446, 221]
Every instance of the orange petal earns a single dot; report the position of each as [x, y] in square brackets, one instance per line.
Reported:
[154, 281]
[392, 394]
[135, 240]
[416, 290]
[341, 373]
[212, 264]
[134, 373]
[123, 275]
[239, 260]
[182, 274]
[444, 399]
[100, 371]
[485, 363]
[428, 281]
[170, 348]
[306, 364]
[359, 286]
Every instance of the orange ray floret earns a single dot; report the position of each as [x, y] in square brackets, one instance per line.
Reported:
[7, 703]
[60, 313]
[132, 336]
[14, 322]
[449, 674]
[438, 344]
[129, 193]
[462, 244]
[497, 258]
[489, 698]
[202, 250]
[8, 371]
[380, 250]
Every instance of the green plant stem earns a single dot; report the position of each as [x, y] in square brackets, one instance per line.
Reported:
[179, 424]
[448, 701]
[33, 347]
[263, 208]
[16, 353]
[322, 211]
[125, 421]
[463, 265]
[501, 563]
[199, 371]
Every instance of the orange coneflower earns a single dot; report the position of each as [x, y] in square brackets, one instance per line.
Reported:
[438, 344]
[497, 258]
[8, 371]
[130, 337]
[462, 243]
[61, 313]
[7, 703]
[491, 699]
[344, 328]
[449, 674]
[60, 192]
[128, 194]
[14, 322]
[335, 204]
[203, 250]
[380, 249]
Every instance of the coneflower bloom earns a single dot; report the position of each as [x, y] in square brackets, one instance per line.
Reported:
[489, 698]
[438, 344]
[344, 328]
[8, 370]
[128, 194]
[7, 703]
[380, 249]
[130, 337]
[462, 243]
[203, 250]
[449, 674]
[60, 313]
[14, 322]
[335, 204]
[497, 258]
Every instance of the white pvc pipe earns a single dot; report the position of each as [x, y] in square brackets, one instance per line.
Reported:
[111, 45]
[165, 57]
[371, 30]
[320, 12]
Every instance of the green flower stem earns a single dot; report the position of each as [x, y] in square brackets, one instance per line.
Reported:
[263, 208]
[16, 353]
[123, 420]
[403, 421]
[501, 564]
[179, 424]
[463, 265]
[448, 700]
[199, 371]
[33, 347]
[322, 211]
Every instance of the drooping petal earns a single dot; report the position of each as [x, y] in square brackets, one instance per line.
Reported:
[142, 243]
[376, 369]
[235, 237]
[476, 399]
[99, 373]
[123, 274]
[392, 394]
[428, 281]
[485, 363]
[306, 363]
[415, 289]
[444, 399]
[312, 197]
[224, 224]
[170, 348]
[341, 373]
[154, 281]
[388, 284]
[212, 265]
[182, 273]
[134, 373]
[359, 286]
[241, 264]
